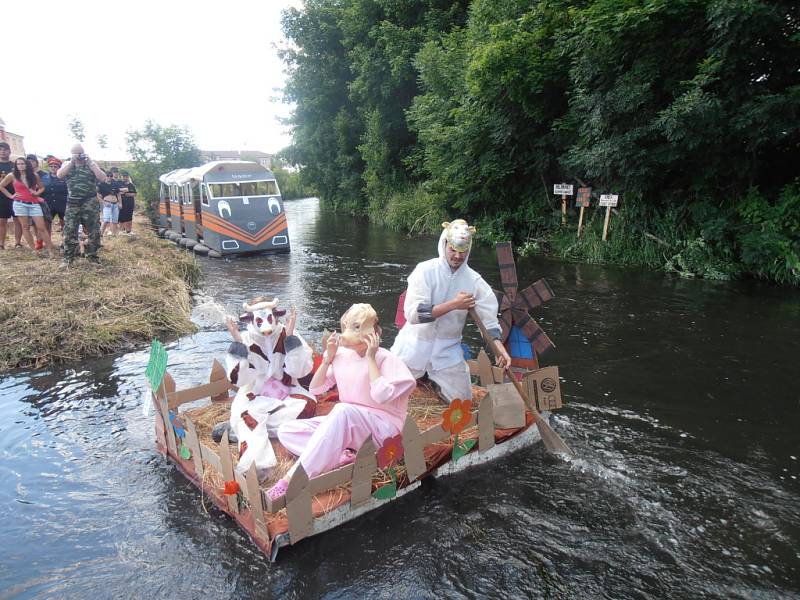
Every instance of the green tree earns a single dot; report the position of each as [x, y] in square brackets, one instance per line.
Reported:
[76, 129]
[156, 150]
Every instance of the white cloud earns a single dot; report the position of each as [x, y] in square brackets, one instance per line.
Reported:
[210, 66]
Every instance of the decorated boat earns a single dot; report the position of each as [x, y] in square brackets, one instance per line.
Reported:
[223, 208]
[438, 438]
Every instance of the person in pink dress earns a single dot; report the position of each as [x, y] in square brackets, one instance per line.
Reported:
[374, 386]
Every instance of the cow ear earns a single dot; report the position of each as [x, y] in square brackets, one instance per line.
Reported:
[278, 312]
[246, 317]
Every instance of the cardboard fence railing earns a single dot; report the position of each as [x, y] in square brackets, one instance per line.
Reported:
[242, 497]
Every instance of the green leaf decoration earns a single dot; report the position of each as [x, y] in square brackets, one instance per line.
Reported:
[460, 450]
[385, 492]
[186, 454]
[157, 365]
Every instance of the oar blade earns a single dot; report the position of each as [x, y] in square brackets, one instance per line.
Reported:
[552, 441]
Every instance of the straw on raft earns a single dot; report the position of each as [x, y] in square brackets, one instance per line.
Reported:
[424, 406]
[48, 315]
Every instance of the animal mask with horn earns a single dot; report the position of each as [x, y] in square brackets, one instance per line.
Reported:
[261, 315]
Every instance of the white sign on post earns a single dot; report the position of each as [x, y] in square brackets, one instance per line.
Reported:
[609, 199]
[562, 189]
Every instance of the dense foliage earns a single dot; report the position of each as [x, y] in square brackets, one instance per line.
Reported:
[156, 150]
[411, 111]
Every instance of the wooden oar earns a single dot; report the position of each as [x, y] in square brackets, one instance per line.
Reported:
[552, 441]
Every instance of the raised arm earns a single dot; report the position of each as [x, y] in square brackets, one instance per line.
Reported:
[64, 169]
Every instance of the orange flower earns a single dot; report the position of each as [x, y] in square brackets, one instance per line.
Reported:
[456, 416]
[391, 451]
[232, 488]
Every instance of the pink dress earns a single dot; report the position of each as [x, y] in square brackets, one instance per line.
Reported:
[365, 408]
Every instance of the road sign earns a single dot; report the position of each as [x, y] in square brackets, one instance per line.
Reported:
[584, 197]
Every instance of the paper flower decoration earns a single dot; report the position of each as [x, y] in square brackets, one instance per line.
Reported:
[456, 416]
[231, 488]
[391, 451]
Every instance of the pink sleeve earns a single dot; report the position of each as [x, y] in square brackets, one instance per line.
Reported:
[327, 384]
[394, 382]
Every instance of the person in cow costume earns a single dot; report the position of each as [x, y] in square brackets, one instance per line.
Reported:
[269, 362]
[374, 386]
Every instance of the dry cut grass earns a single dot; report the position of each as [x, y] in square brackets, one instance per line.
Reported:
[141, 290]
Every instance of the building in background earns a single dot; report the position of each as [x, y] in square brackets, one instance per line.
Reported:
[262, 158]
[12, 139]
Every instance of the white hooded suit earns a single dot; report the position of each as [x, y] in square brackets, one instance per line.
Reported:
[433, 346]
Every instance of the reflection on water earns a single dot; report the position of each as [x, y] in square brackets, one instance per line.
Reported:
[682, 406]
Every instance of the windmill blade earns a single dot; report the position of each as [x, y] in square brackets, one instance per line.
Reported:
[508, 270]
[505, 318]
[537, 294]
[539, 340]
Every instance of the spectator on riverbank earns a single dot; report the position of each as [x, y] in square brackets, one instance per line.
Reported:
[33, 160]
[108, 192]
[6, 205]
[82, 175]
[55, 191]
[128, 191]
[27, 201]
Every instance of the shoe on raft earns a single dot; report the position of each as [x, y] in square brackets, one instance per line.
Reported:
[278, 490]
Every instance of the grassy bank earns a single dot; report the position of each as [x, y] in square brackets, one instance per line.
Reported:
[140, 291]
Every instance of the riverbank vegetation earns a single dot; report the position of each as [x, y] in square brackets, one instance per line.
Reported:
[411, 112]
[140, 291]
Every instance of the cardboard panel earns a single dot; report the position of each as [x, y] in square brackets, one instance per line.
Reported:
[161, 436]
[331, 479]
[227, 469]
[253, 493]
[168, 430]
[474, 369]
[544, 388]
[486, 424]
[437, 434]
[193, 442]
[300, 516]
[297, 483]
[207, 390]
[414, 450]
[363, 468]
[498, 374]
[485, 368]
[509, 408]
[211, 457]
[218, 374]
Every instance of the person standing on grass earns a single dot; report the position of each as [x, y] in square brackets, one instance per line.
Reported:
[108, 192]
[128, 191]
[48, 216]
[83, 208]
[6, 205]
[55, 191]
[27, 201]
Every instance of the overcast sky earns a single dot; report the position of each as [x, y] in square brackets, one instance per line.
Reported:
[211, 66]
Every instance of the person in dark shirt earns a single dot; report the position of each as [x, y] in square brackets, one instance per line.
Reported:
[55, 192]
[6, 205]
[109, 196]
[128, 191]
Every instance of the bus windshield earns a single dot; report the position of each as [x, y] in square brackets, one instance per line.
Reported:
[243, 188]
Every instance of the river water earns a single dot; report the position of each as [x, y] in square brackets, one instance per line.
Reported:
[681, 403]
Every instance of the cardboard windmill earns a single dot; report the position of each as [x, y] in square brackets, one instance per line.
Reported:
[524, 339]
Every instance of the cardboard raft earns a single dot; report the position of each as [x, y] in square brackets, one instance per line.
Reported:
[310, 506]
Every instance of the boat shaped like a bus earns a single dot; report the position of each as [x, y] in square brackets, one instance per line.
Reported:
[223, 208]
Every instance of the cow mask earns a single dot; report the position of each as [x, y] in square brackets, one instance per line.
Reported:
[261, 315]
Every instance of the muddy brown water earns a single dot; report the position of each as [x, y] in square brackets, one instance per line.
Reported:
[682, 405]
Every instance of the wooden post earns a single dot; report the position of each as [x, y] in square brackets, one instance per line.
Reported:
[227, 469]
[563, 209]
[580, 221]
[486, 423]
[217, 373]
[253, 493]
[605, 223]
[363, 468]
[298, 506]
[414, 450]
[193, 443]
